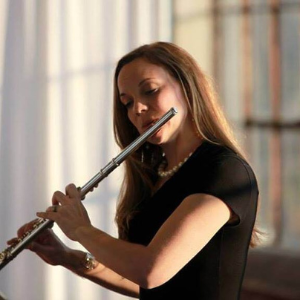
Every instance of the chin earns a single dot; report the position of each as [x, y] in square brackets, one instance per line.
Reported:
[156, 138]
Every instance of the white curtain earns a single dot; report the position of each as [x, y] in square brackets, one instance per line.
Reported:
[56, 65]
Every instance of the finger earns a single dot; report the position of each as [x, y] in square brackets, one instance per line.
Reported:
[53, 208]
[82, 197]
[31, 246]
[59, 198]
[26, 227]
[15, 241]
[48, 215]
[12, 241]
[36, 247]
[72, 191]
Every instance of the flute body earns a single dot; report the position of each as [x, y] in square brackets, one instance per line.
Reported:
[41, 224]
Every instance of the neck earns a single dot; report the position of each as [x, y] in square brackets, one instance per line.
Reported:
[174, 154]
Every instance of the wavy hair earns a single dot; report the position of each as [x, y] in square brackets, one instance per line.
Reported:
[204, 109]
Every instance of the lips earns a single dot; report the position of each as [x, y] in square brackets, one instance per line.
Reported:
[148, 124]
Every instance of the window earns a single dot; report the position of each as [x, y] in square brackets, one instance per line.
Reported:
[251, 49]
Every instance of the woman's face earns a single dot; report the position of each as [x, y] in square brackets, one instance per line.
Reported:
[148, 91]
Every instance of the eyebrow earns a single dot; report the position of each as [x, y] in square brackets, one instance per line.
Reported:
[146, 79]
[140, 83]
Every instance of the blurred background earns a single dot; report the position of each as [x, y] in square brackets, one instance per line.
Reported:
[56, 66]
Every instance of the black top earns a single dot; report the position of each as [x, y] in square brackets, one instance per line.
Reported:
[217, 271]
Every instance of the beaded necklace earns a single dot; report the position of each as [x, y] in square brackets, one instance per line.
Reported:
[161, 173]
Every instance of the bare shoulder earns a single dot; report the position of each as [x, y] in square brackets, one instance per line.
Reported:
[204, 207]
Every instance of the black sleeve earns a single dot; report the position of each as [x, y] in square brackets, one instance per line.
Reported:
[232, 180]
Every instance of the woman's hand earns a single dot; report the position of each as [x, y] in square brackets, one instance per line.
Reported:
[46, 245]
[68, 212]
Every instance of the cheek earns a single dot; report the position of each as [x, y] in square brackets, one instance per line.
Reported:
[179, 97]
[180, 104]
[132, 119]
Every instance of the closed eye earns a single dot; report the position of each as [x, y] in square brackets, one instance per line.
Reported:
[128, 104]
[152, 91]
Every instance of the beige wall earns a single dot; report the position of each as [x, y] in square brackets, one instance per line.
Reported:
[193, 30]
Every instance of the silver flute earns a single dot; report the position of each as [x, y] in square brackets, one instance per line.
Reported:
[41, 224]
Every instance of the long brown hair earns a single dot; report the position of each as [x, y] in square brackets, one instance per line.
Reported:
[204, 108]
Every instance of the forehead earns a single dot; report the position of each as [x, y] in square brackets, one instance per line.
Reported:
[138, 70]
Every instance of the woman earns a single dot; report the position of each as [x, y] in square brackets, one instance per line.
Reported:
[187, 205]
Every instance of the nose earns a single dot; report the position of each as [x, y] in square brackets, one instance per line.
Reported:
[139, 107]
